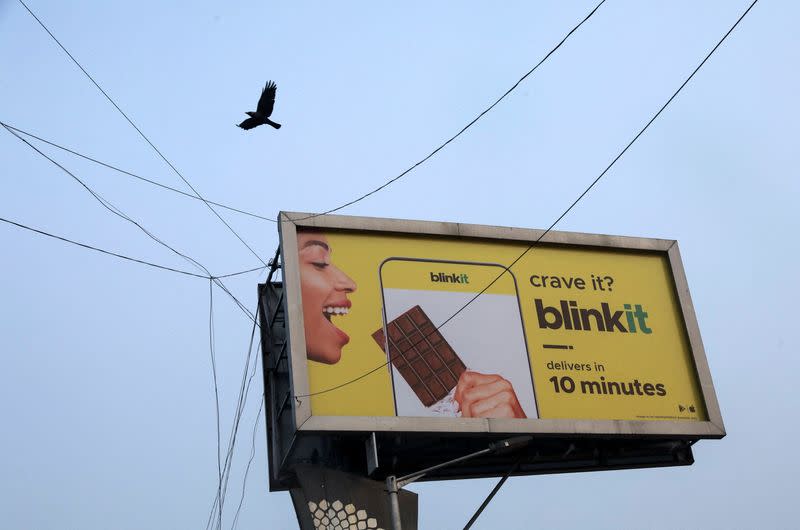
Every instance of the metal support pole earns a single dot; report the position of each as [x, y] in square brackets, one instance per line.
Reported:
[491, 496]
[394, 503]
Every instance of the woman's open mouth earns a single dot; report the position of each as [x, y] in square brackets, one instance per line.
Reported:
[336, 310]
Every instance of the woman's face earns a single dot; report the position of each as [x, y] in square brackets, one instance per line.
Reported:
[324, 289]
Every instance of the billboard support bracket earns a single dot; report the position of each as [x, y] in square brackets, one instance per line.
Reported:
[281, 356]
[491, 495]
[372, 454]
[282, 408]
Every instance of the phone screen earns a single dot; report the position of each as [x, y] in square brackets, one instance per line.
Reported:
[483, 329]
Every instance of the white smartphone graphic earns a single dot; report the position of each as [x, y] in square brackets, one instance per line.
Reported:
[484, 328]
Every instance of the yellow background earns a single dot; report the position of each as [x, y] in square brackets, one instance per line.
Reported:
[639, 278]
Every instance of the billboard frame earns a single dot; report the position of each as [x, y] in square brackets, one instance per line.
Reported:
[305, 421]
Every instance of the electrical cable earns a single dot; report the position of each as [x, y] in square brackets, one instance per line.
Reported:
[560, 217]
[242, 402]
[232, 274]
[131, 174]
[244, 392]
[239, 304]
[116, 211]
[249, 463]
[240, 408]
[362, 197]
[235, 430]
[106, 204]
[122, 256]
[467, 126]
[211, 340]
[216, 390]
[142, 134]
[42, 232]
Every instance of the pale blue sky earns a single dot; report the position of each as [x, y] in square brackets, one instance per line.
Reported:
[106, 396]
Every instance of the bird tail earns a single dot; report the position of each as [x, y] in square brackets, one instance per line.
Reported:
[270, 122]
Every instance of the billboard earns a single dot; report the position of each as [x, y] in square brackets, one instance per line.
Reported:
[437, 327]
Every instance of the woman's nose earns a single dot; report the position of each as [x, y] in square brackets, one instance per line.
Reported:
[343, 281]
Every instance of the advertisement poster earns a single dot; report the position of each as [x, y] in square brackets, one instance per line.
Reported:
[432, 326]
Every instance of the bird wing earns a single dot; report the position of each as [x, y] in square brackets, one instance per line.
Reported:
[249, 123]
[267, 100]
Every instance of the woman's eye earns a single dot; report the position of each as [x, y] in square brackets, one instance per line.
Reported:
[319, 264]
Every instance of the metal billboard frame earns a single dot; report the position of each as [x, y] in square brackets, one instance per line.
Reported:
[305, 421]
[295, 434]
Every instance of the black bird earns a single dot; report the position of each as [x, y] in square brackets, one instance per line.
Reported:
[264, 109]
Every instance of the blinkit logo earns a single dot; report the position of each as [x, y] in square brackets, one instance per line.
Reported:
[569, 316]
[442, 277]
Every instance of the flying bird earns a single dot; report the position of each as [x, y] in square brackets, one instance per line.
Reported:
[264, 109]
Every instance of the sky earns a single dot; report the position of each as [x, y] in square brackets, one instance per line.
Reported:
[107, 397]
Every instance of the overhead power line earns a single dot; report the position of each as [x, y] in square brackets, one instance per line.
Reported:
[560, 217]
[131, 174]
[464, 129]
[96, 249]
[249, 463]
[338, 208]
[122, 256]
[119, 213]
[237, 419]
[146, 139]
[244, 391]
[216, 392]
[232, 274]
[222, 474]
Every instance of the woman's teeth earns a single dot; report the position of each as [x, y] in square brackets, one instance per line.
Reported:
[335, 310]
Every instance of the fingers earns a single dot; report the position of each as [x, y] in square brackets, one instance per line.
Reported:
[470, 380]
[487, 390]
[503, 411]
[503, 403]
[487, 396]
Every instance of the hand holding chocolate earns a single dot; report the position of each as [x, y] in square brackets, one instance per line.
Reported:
[432, 369]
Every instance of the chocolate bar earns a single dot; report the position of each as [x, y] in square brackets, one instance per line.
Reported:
[422, 355]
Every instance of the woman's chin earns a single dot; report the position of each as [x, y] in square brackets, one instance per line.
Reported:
[326, 357]
[327, 348]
